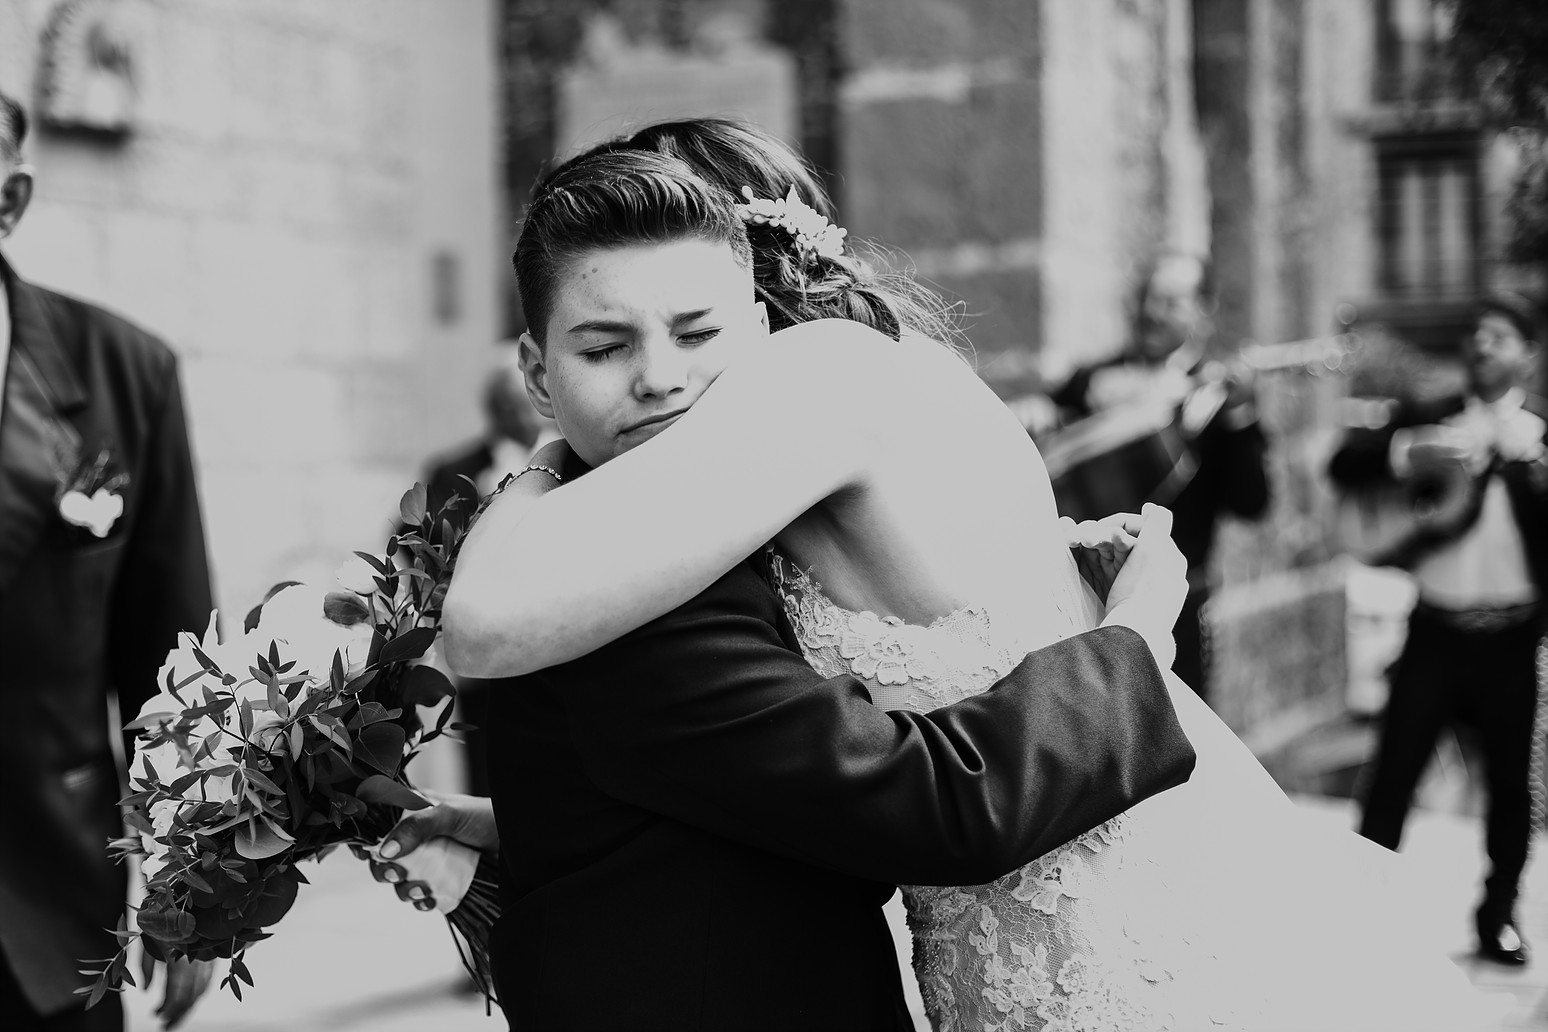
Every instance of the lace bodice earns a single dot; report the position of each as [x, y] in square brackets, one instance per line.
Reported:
[1209, 906]
[1028, 951]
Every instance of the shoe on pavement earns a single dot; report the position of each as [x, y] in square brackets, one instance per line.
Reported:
[1503, 945]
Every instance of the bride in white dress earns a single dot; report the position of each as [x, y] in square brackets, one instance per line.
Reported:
[916, 546]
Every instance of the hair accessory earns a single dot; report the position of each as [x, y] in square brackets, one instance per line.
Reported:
[813, 234]
[545, 469]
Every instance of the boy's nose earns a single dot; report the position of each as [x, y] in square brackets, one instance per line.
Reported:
[662, 371]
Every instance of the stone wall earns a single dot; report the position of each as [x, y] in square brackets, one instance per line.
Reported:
[1029, 159]
[295, 174]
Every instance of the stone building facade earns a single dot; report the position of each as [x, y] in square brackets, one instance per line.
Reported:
[304, 204]
[1031, 157]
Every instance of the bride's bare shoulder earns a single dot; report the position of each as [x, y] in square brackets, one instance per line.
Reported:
[849, 354]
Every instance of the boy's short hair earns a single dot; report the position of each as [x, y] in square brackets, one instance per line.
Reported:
[13, 129]
[615, 199]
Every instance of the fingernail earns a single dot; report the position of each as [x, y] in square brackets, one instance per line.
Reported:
[416, 893]
[392, 874]
[390, 849]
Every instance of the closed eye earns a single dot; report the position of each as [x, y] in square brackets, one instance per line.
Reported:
[700, 336]
[602, 354]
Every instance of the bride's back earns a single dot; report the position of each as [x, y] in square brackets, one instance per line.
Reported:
[958, 509]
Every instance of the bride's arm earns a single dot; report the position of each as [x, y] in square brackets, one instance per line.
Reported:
[787, 424]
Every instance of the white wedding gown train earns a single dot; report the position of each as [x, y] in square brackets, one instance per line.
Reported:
[1214, 906]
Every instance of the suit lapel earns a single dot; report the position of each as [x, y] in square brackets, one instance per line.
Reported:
[39, 445]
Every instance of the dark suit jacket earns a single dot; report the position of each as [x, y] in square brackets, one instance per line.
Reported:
[1363, 460]
[699, 831]
[80, 616]
[1231, 479]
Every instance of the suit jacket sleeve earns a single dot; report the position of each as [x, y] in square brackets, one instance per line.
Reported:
[708, 717]
[164, 582]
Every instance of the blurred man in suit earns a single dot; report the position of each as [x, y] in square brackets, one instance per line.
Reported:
[1475, 467]
[102, 562]
[513, 431]
[1217, 416]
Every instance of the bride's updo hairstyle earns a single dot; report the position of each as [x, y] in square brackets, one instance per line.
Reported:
[795, 286]
[606, 199]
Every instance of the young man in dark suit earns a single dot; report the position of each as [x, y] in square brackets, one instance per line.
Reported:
[697, 830]
[1475, 467]
[102, 562]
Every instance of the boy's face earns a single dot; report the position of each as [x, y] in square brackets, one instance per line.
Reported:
[635, 336]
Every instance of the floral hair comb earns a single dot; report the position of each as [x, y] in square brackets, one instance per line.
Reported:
[813, 234]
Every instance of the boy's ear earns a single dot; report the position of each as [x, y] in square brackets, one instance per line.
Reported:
[534, 370]
[15, 195]
[763, 315]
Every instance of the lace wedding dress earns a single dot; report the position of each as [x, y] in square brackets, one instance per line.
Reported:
[1215, 905]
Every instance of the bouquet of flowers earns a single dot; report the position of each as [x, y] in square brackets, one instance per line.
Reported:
[285, 743]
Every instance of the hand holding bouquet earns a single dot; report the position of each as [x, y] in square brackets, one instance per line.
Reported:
[285, 743]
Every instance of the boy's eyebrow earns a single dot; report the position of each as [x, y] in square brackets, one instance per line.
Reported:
[619, 326]
[601, 326]
[697, 313]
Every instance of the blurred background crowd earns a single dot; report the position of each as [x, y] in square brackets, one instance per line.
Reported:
[1281, 216]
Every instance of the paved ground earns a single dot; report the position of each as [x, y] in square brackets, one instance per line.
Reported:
[349, 956]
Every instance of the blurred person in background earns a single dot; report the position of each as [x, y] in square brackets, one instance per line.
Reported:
[1216, 415]
[1476, 472]
[102, 562]
[513, 431]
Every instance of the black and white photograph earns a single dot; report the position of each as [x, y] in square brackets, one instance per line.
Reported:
[773, 515]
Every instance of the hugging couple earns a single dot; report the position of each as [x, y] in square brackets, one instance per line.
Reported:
[798, 624]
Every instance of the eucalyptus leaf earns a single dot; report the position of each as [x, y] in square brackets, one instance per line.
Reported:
[378, 788]
[381, 746]
[411, 644]
[260, 840]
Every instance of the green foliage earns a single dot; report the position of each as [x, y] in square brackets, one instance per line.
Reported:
[272, 764]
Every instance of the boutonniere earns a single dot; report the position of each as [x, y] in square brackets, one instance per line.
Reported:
[92, 495]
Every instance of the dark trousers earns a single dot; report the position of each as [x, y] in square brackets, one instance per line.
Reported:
[1487, 679]
[17, 1014]
[1192, 663]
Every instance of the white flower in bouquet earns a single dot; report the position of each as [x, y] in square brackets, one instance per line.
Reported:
[356, 575]
[296, 617]
[156, 849]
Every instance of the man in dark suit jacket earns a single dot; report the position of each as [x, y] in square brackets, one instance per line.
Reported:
[699, 832]
[1476, 469]
[102, 562]
[1219, 419]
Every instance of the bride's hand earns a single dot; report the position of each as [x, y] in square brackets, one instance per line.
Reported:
[1148, 593]
[1101, 547]
[436, 877]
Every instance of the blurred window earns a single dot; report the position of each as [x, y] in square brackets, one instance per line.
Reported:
[1428, 215]
[1410, 45]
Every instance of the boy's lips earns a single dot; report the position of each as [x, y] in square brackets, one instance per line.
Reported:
[652, 424]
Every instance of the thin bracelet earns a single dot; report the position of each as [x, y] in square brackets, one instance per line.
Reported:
[506, 481]
[546, 469]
